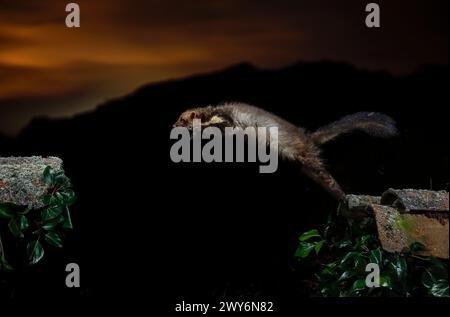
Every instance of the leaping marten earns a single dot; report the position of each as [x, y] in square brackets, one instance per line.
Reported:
[294, 143]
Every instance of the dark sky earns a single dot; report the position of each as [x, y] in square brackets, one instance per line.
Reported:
[48, 69]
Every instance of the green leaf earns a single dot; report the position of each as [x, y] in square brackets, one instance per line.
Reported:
[319, 246]
[327, 273]
[416, 247]
[6, 211]
[385, 281]
[440, 288]
[4, 265]
[67, 224]
[354, 259]
[358, 285]
[49, 176]
[326, 231]
[51, 212]
[360, 262]
[343, 244]
[365, 239]
[69, 197]
[346, 275]
[24, 224]
[304, 249]
[376, 256]
[432, 274]
[14, 227]
[309, 234]
[59, 198]
[329, 269]
[427, 278]
[349, 256]
[35, 252]
[46, 199]
[325, 292]
[61, 179]
[400, 267]
[54, 239]
[52, 223]
[50, 200]
[331, 265]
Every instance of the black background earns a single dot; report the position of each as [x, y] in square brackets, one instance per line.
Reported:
[154, 232]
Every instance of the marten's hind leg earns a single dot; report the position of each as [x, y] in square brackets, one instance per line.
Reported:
[314, 169]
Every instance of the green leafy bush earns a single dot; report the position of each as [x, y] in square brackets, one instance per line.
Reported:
[34, 228]
[341, 251]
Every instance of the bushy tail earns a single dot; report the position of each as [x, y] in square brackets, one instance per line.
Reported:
[373, 123]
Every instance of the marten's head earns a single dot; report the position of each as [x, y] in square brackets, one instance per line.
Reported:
[208, 116]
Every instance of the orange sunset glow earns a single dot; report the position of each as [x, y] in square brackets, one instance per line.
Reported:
[47, 69]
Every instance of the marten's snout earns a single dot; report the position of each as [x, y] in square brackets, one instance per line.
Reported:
[181, 123]
[186, 118]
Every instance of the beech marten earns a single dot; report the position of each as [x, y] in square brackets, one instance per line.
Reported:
[294, 143]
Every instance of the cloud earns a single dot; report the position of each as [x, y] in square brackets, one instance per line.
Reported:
[123, 44]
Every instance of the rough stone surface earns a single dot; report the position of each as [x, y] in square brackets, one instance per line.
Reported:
[391, 236]
[416, 200]
[21, 179]
[357, 206]
[405, 216]
[397, 231]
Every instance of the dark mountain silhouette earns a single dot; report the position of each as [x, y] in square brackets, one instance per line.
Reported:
[5, 142]
[199, 231]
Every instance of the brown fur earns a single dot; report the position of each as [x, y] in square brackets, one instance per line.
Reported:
[294, 143]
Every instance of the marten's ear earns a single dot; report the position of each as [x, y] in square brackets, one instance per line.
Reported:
[192, 115]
